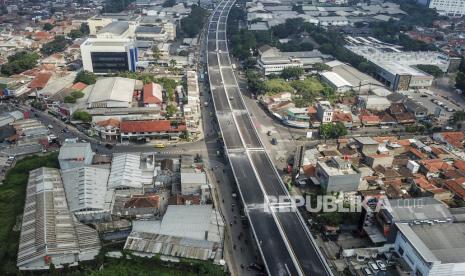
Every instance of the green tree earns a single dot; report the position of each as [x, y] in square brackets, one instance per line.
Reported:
[156, 53]
[168, 3]
[73, 34]
[84, 28]
[292, 72]
[433, 70]
[19, 62]
[170, 110]
[332, 131]
[82, 116]
[458, 117]
[47, 27]
[70, 99]
[193, 23]
[321, 67]
[298, 9]
[85, 77]
[57, 45]
[115, 6]
[173, 63]
[77, 94]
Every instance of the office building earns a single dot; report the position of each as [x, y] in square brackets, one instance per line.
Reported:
[448, 7]
[102, 56]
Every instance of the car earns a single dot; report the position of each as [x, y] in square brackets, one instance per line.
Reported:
[361, 258]
[50, 126]
[268, 133]
[448, 128]
[159, 146]
[274, 141]
[381, 265]
[108, 146]
[373, 266]
[231, 98]
[367, 271]
[424, 96]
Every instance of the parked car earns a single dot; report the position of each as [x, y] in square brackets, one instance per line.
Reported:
[367, 271]
[274, 141]
[381, 265]
[373, 266]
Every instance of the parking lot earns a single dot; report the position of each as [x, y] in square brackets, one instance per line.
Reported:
[434, 102]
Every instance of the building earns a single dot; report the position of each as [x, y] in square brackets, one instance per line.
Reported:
[396, 69]
[372, 102]
[448, 7]
[147, 205]
[432, 249]
[112, 93]
[126, 173]
[191, 109]
[116, 29]
[74, 155]
[275, 65]
[192, 182]
[324, 112]
[337, 175]
[86, 192]
[102, 56]
[108, 129]
[418, 110]
[153, 95]
[49, 232]
[336, 82]
[186, 231]
[152, 33]
[151, 129]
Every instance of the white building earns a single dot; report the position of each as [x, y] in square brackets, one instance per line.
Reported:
[324, 111]
[191, 182]
[49, 232]
[86, 191]
[74, 155]
[432, 249]
[275, 65]
[335, 81]
[187, 231]
[104, 55]
[373, 102]
[112, 93]
[191, 109]
[448, 7]
[126, 173]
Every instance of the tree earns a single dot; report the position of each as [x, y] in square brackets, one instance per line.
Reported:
[156, 53]
[173, 63]
[170, 110]
[73, 34]
[193, 23]
[86, 77]
[332, 131]
[459, 81]
[321, 67]
[292, 72]
[82, 116]
[69, 99]
[115, 6]
[84, 28]
[57, 45]
[77, 94]
[458, 117]
[433, 70]
[19, 62]
[47, 27]
[169, 3]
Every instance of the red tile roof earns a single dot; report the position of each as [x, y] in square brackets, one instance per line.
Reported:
[457, 186]
[143, 201]
[454, 138]
[369, 119]
[109, 122]
[150, 126]
[149, 97]
[79, 86]
[40, 81]
[435, 165]
[460, 165]
[341, 117]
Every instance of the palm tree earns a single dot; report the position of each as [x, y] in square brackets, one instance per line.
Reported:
[156, 54]
[173, 63]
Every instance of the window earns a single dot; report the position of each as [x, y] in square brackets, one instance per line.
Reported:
[401, 251]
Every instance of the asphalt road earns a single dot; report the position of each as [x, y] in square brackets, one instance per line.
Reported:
[282, 248]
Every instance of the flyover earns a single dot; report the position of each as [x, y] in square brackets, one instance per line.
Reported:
[284, 241]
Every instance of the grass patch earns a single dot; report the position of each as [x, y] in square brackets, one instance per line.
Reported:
[12, 195]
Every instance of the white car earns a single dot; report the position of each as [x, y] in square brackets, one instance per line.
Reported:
[381, 265]
[373, 266]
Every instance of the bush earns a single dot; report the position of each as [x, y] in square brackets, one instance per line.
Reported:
[70, 99]
[57, 45]
[86, 77]
[170, 110]
[82, 116]
[19, 63]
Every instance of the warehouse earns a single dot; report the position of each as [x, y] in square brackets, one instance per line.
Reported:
[113, 93]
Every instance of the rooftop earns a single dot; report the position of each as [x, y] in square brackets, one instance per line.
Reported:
[112, 89]
[444, 242]
[416, 209]
[117, 28]
[150, 126]
[74, 151]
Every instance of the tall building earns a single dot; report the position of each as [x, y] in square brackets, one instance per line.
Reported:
[448, 7]
[101, 56]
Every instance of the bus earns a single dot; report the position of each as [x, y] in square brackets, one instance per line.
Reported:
[159, 146]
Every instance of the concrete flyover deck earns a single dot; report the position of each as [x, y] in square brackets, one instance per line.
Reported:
[284, 242]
